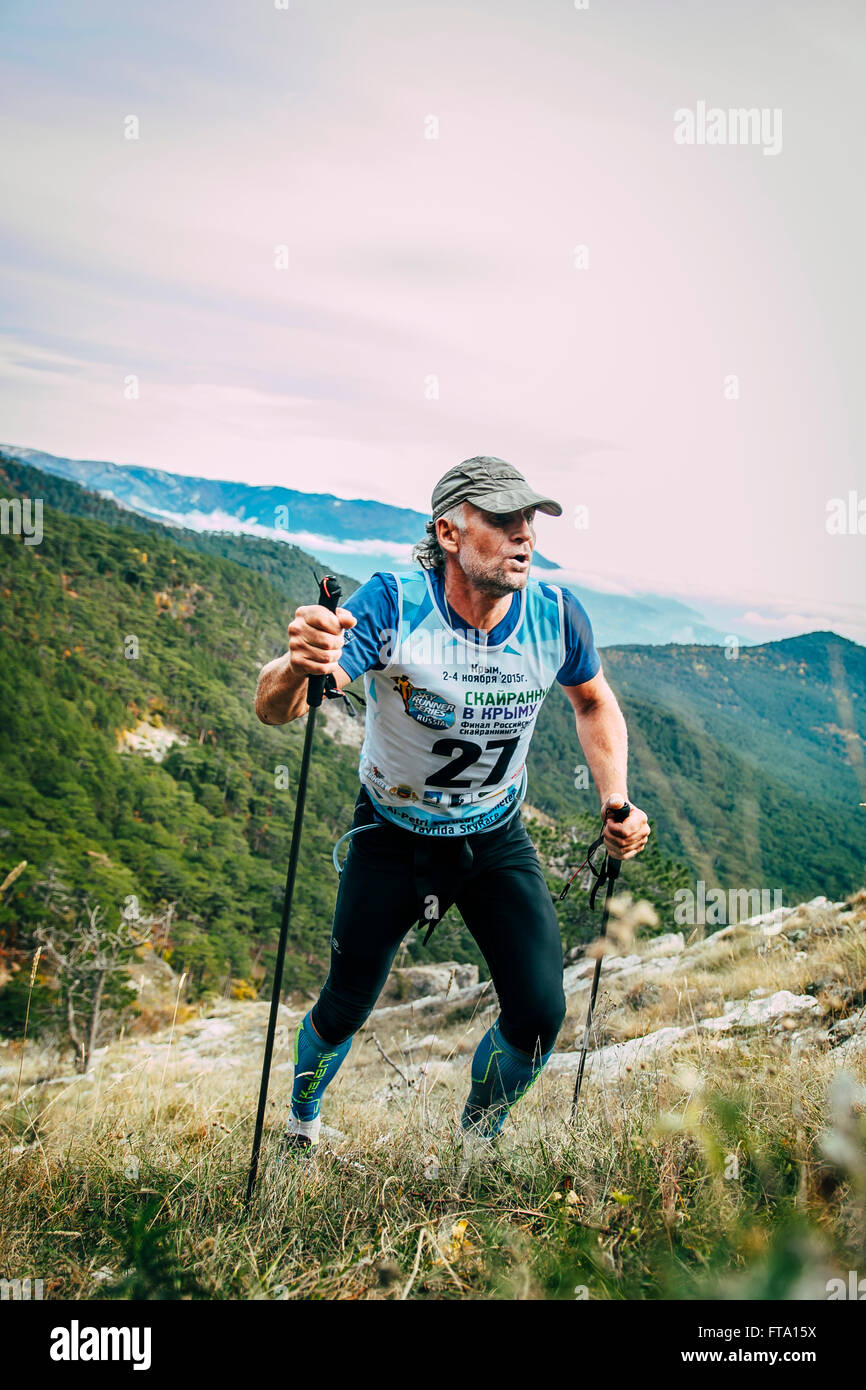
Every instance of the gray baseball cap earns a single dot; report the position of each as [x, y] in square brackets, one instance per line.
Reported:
[489, 483]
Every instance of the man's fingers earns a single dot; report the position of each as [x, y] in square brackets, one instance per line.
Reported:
[319, 656]
[309, 666]
[625, 839]
[619, 834]
[314, 637]
[303, 666]
[317, 616]
[626, 831]
[622, 836]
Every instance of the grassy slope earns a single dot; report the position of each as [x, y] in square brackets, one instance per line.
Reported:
[734, 1166]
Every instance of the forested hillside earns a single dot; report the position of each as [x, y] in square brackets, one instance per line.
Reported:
[103, 628]
[109, 627]
[751, 768]
[119, 636]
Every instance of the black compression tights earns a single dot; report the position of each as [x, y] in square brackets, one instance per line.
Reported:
[504, 902]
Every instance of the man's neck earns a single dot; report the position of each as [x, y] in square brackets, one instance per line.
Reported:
[481, 611]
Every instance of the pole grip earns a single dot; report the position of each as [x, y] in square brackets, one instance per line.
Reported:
[329, 597]
[619, 814]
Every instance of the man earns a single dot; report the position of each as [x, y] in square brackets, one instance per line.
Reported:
[457, 657]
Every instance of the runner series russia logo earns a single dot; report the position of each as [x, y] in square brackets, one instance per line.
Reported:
[424, 706]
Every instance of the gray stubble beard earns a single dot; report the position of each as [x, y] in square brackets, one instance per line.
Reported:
[496, 583]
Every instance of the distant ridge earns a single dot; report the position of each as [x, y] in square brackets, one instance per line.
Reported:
[353, 536]
[172, 495]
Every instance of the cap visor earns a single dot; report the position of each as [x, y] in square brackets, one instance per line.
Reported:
[514, 500]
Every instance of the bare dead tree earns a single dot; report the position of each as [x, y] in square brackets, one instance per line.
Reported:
[88, 957]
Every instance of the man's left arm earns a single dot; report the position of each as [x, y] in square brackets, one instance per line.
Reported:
[603, 736]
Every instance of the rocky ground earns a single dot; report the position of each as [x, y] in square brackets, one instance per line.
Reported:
[796, 977]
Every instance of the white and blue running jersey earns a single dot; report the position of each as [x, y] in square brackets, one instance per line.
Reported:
[451, 709]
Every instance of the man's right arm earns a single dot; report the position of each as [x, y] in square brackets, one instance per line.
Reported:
[316, 638]
[315, 644]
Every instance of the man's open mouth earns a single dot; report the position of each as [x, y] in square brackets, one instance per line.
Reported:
[521, 559]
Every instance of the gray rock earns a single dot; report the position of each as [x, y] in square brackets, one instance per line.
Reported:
[612, 1062]
[758, 1012]
[852, 1047]
[434, 1004]
[670, 943]
[152, 978]
[847, 1027]
[419, 981]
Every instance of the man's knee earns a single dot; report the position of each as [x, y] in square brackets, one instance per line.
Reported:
[537, 1027]
[337, 1017]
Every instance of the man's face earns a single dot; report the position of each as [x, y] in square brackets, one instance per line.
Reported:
[494, 548]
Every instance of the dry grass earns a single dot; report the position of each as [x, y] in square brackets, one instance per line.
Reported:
[708, 1172]
[829, 959]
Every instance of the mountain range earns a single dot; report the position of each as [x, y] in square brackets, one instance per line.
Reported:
[353, 535]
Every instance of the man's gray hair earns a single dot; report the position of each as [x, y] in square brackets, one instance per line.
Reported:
[429, 553]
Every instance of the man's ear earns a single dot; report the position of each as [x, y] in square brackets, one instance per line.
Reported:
[447, 535]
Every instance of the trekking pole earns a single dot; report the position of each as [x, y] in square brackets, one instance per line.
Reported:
[611, 870]
[329, 597]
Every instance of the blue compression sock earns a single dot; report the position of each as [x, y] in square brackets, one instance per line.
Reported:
[500, 1076]
[316, 1063]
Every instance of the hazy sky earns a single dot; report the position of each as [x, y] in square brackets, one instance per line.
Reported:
[417, 264]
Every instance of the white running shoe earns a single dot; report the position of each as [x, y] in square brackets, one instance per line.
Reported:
[474, 1150]
[300, 1138]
